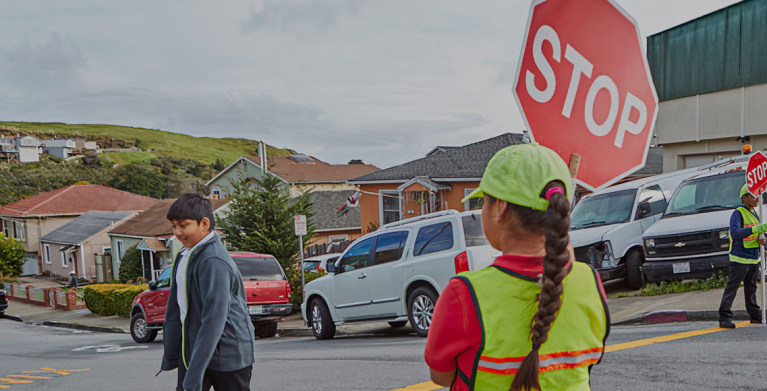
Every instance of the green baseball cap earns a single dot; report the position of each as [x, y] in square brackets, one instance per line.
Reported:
[519, 173]
[744, 191]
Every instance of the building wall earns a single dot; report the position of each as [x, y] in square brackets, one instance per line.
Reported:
[324, 237]
[55, 265]
[29, 154]
[128, 242]
[242, 170]
[297, 189]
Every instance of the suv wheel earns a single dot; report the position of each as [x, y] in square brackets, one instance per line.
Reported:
[319, 316]
[634, 276]
[139, 329]
[265, 329]
[420, 307]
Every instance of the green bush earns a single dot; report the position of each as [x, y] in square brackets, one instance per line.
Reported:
[124, 299]
[130, 266]
[11, 256]
[111, 299]
[294, 278]
[665, 287]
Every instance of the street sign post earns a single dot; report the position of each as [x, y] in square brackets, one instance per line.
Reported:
[756, 180]
[299, 222]
[584, 87]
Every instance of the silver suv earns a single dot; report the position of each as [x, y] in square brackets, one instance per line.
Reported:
[396, 273]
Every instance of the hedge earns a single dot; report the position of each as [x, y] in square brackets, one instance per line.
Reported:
[111, 299]
[294, 278]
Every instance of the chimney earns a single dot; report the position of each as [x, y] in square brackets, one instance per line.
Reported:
[356, 161]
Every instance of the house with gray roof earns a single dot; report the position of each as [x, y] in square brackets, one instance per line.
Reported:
[330, 224]
[79, 246]
[432, 183]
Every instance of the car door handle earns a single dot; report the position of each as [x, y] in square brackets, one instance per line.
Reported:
[362, 275]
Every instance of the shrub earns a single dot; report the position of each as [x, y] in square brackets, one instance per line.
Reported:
[11, 256]
[130, 266]
[294, 278]
[111, 299]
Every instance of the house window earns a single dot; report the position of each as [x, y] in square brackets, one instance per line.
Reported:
[47, 254]
[337, 238]
[120, 250]
[63, 259]
[388, 202]
[472, 203]
[216, 194]
[21, 231]
[6, 229]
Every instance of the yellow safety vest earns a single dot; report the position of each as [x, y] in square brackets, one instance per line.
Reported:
[506, 302]
[749, 220]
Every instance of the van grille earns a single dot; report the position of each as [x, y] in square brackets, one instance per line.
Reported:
[687, 244]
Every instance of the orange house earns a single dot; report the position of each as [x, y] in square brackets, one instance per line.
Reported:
[435, 182]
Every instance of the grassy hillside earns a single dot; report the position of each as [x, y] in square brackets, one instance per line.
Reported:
[161, 143]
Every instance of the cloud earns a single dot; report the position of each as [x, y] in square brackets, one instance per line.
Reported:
[299, 16]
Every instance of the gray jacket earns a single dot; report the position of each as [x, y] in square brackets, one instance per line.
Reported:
[217, 333]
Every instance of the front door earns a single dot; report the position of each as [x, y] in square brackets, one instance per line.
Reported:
[351, 297]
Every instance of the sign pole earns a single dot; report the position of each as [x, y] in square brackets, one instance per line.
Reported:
[301, 249]
[299, 222]
[764, 254]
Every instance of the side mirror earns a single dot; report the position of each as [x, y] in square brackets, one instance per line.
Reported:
[152, 285]
[331, 267]
[643, 210]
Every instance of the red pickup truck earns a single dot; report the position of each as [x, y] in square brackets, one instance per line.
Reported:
[266, 287]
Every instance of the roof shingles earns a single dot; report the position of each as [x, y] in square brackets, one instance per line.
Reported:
[78, 199]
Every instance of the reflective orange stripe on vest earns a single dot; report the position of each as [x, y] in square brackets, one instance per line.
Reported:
[547, 362]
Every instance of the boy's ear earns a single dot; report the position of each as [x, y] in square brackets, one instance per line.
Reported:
[205, 223]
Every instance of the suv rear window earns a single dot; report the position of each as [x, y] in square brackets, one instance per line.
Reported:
[472, 231]
[433, 238]
[260, 268]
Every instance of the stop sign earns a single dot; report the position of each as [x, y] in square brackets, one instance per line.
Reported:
[756, 173]
[583, 86]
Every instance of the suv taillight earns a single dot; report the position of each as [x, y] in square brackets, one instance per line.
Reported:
[287, 289]
[461, 262]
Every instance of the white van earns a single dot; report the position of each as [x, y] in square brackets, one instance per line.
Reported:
[606, 227]
[692, 238]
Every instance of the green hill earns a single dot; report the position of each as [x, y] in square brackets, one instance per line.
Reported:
[153, 142]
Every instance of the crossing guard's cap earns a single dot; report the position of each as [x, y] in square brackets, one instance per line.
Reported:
[518, 174]
[744, 191]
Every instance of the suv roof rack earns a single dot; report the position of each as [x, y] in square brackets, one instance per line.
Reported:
[448, 212]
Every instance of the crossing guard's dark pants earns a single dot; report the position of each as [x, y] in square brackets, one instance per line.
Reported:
[745, 273]
[238, 380]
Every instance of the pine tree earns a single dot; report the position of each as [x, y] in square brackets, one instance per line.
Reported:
[130, 266]
[260, 219]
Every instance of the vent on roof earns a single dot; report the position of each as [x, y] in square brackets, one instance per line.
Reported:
[356, 161]
[301, 158]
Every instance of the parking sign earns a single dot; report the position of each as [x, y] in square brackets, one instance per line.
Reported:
[300, 223]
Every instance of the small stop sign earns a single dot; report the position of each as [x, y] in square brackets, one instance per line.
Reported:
[584, 86]
[756, 173]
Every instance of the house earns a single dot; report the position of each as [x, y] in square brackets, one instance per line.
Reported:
[80, 244]
[24, 149]
[59, 148]
[436, 182]
[301, 174]
[33, 217]
[152, 234]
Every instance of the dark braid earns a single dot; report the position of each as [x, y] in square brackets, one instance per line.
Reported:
[555, 228]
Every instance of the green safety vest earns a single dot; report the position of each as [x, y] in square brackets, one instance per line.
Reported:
[506, 302]
[749, 220]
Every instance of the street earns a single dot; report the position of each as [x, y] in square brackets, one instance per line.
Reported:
[46, 358]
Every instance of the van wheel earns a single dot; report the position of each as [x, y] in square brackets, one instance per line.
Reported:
[265, 329]
[322, 325]
[634, 276]
[139, 330]
[420, 308]
[398, 324]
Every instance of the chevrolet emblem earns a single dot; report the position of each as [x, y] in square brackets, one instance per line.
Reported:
[680, 244]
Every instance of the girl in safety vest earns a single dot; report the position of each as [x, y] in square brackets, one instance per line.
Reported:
[535, 319]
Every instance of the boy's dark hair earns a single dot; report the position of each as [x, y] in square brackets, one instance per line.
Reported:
[192, 206]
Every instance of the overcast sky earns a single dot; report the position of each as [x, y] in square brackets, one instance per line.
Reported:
[384, 81]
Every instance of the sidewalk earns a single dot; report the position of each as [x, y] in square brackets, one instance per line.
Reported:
[689, 306]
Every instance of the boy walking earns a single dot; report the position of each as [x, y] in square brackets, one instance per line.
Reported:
[207, 333]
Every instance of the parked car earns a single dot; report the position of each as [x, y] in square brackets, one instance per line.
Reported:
[606, 227]
[692, 238]
[319, 263]
[266, 287]
[3, 301]
[397, 272]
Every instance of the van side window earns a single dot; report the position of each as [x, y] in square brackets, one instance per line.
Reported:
[357, 256]
[654, 196]
[389, 247]
[433, 238]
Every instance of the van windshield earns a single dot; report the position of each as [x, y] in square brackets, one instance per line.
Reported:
[603, 209]
[717, 192]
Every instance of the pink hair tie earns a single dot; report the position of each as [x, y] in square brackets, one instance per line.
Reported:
[552, 191]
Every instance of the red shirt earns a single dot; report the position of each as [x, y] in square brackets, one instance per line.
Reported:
[455, 334]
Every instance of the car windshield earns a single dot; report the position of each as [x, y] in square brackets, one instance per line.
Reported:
[259, 268]
[603, 209]
[472, 230]
[711, 193]
[310, 265]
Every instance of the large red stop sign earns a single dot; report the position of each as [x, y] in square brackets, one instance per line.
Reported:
[756, 173]
[584, 86]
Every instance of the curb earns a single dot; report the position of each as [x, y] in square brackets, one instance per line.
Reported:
[82, 327]
[669, 316]
[292, 332]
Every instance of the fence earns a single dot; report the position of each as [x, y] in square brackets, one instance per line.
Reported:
[47, 297]
[326, 248]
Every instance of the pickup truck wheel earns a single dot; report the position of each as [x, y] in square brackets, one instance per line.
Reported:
[319, 317]
[420, 307]
[265, 329]
[139, 329]
[398, 324]
[634, 276]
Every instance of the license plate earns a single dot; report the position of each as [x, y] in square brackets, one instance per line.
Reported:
[255, 309]
[681, 267]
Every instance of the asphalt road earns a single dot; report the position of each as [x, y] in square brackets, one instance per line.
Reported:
[61, 359]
